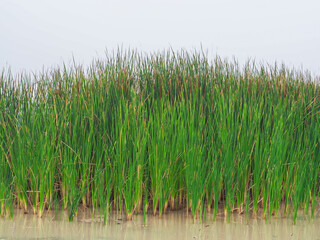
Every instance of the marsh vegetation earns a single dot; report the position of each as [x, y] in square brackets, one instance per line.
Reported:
[155, 132]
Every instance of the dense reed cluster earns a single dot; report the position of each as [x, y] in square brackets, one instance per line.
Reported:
[163, 131]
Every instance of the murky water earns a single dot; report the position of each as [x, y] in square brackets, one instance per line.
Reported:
[175, 225]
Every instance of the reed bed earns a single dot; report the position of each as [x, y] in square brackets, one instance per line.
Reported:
[170, 130]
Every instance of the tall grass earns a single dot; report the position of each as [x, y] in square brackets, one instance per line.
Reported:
[169, 130]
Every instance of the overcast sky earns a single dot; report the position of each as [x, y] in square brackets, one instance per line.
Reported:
[37, 33]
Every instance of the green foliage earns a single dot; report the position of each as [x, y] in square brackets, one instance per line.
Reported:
[165, 130]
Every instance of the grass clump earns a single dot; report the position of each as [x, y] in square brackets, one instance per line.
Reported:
[168, 130]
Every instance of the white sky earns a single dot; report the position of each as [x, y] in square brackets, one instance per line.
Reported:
[37, 33]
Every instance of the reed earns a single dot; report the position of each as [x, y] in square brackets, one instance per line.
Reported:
[162, 131]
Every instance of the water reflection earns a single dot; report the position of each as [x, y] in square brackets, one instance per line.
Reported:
[175, 225]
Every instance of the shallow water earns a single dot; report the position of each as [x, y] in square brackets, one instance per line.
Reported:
[174, 225]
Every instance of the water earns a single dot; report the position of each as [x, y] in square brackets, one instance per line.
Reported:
[175, 225]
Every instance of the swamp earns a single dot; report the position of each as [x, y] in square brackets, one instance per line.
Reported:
[141, 135]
